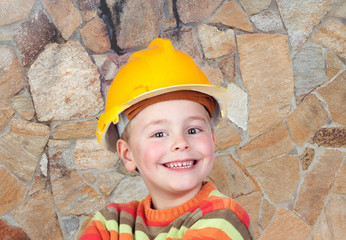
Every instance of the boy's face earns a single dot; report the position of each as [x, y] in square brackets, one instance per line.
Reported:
[172, 145]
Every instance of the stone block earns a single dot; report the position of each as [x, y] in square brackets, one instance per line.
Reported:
[226, 136]
[340, 179]
[22, 104]
[108, 181]
[307, 157]
[75, 130]
[126, 191]
[268, 21]
[334, 137]
[6, 113]
[237, 110]
[11, 232]
[253, 6]
[196, 10]
[14, 11]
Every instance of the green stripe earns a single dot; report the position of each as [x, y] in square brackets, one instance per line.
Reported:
[124, 228]
[110, 224]
[216, 193]
[141, 235]
[221, 224]
[173, 233]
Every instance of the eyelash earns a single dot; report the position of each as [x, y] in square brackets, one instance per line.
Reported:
[195, 130]
[189, 131]
[159, 134]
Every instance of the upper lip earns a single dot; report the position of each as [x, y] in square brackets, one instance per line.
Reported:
[179, 161]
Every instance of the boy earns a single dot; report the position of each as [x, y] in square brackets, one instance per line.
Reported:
[160, 114]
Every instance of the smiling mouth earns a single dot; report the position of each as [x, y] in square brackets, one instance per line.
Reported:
[180, 165]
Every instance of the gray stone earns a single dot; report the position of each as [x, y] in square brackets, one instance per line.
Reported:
[71, 225]
[238, 110]
[308, 70]
[267, 21]
[65, 83]
[107, 181]
[254, 6]
[14, 10]
[301, 17]
[32, 35]
[126, 191]
[22, 104]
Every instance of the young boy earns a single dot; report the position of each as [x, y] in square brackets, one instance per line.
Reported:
[159, 116]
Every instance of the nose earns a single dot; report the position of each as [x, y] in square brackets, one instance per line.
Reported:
[180, 143]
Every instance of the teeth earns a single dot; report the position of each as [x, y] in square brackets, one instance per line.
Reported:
[179, 165]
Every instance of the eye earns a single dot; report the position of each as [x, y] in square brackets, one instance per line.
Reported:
[159, 134]
[193, 131]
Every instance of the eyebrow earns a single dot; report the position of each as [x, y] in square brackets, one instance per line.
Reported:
[163, 121]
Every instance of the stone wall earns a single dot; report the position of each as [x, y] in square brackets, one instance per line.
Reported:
[280, 153]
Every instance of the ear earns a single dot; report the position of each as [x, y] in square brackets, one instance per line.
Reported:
[124, 152]
[213, 135]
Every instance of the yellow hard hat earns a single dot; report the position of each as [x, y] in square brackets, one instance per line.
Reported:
[153, 71]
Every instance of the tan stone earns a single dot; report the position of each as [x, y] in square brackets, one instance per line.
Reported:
[39, 184]
[88, 15]
[334, 64]
[322, 230]
[307, 157]
[76, 130]
[253, 6]
[340, 180]
[227, 66]
[268, 211]
[107, 181]
[336, 215]
[126, 191]
[95, 37]
[335, 95]
[334, 137]
[340, 12]
[12, 191]
[271, 144]
[279, 178]
[214, 75]
[231, 14]
[264, 58]
[22, 147]
[286, 226]
[72, 195]
[6, 113]
[138, 22]
[65, 83]
[65, 16]
[38, 218]
[196, 10]
[89, 177]
[226, 136]
[237, 109]
[252, 203]
[306, 119]
[332, 35]
[22, 104]
[88, 4]
[301, 18]
[89, 154]
[22, 11]
[231, 178]
[12, 77]
[316, 185]
[216, 43]
[169, 23]
[106, 66]
[11, 232]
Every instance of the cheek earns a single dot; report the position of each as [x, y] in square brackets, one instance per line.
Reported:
[152, 152]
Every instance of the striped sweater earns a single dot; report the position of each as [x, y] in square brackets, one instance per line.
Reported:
[209, 215]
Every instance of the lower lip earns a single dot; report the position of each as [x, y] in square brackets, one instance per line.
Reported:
[183, 169]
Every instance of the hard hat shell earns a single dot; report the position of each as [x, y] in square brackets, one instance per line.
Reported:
[153, 71]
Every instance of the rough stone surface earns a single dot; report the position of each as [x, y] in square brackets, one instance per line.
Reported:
[32, 35]
[279, 177]
[334, 137]
[316, 185]
[306, 119]
[231, 178]
[12, 192]
[5, 35]
[38, 218]
[332, 35]
[340, 179]
[70, 68]
[72, 195]
[267, 21]
[264, 58]
[253, 6]
[334, 64]
[106, 66]
[214, 75]
[226, 136]
[11, 232]
[21, 148]
[65, 16]
[126, 191]
[307, 157]
[238, 110]
[88, 15]
[22, 11]
[22, 104]
[71, 225]
[322, 231]
[269, 145]
[268, 211]
[227, 66]
[108, 181]
[89, 154]
[335, 95]
[216, 43]
[11, 74]
[138, 22]
[308, 70]
[95, 37]
[231, 14]
[6, 113]
[196, 10]
[76, 130]
[340, 12]
[88, 4]
[286, 226]
[44, 165]
[89, 177]
[39, 184]
[300, 18]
